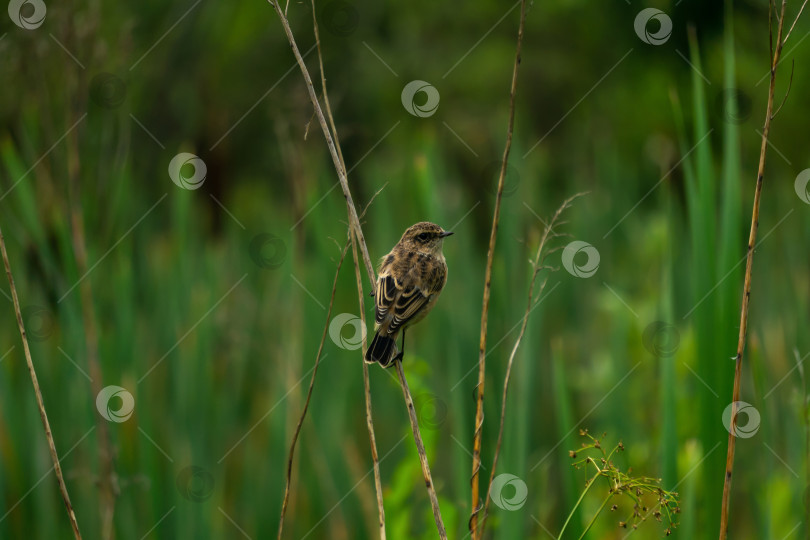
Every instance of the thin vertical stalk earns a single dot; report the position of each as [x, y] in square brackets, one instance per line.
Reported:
[482, 344]
[537, 265]
[366, 383]
[752, 237]
[291, 453]
[367, 391]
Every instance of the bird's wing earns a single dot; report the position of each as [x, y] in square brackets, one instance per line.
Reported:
[399, 301]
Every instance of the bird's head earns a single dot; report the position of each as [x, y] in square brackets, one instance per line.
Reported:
[424, 237]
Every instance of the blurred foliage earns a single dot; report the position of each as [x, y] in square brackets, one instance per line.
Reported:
[210, 302]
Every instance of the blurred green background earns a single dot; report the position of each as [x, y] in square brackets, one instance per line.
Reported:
[209, 303]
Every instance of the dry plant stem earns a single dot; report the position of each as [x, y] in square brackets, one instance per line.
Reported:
[479, 413]
[406, 392]
[291, 454]
[40, 404]
[724, 511]
[792, 26]
[537, 265]
[354, 223]
[367, 389]
[327, 106]
[108, 484]
[312, 382]
[366, 383]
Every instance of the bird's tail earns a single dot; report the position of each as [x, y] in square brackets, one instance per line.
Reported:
[381, 350]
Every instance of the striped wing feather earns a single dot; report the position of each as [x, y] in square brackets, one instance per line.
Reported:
[397, 302]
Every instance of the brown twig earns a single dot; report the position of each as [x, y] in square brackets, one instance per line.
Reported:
[801, 9]
[752, 237]
[108, 484]
[366, 382]
[325, 94]
[537, 265]
[479, 413]
[354, 221]
[354, 224]
[40, 403]
[375, 459]
[291, 454]
[420, 447]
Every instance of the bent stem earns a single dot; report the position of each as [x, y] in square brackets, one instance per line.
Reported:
[40, 403]
[579, 501]
[479, 410]
[537, 265]
[596, 515]
[367, 391]
[291, 454]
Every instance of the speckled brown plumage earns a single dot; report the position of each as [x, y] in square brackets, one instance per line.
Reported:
[410, 279]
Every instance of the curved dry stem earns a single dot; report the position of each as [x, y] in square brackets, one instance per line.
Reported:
[367, 391]
[366, 383]
[537, 265]
[325, 94]
[291, 454]
[752, 237]
[40, 403]
[354, 221]
[479, 411]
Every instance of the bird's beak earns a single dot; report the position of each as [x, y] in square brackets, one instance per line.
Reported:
[445, 233]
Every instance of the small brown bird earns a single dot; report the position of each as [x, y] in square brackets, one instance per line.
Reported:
[409, 282]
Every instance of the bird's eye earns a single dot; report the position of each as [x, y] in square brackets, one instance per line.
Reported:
[423, 237]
